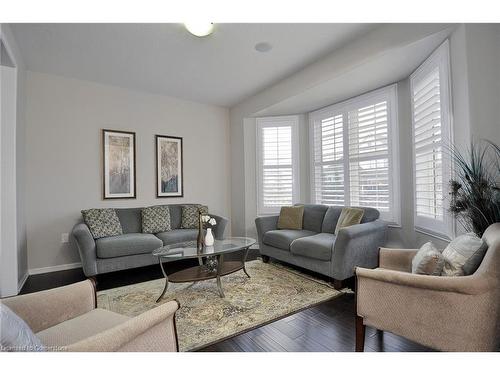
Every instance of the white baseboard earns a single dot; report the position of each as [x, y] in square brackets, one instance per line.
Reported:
[60, 267]
[22, 282]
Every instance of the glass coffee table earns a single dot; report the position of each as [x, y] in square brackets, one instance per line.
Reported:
[210, 258]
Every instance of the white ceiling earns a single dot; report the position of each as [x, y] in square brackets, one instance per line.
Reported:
[377, 71]
[222, 69]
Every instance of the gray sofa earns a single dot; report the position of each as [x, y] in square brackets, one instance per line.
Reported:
[316, 247]
[133, 248]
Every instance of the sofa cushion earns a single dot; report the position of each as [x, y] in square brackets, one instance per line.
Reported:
[331, 217]
[291, 217]
[102, 222]
[313, 217]
[130, 219]
[79, 328]
[318, 246]
[282, 238]
[370, 214]
[127, 244]
[177, 236]
[190, 212]
[155, 219]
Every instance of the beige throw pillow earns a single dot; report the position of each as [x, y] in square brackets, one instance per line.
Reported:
[349, 216]
[291, 217]
[428, 261]
[463, 255]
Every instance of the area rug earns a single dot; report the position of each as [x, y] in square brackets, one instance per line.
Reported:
[273, 291]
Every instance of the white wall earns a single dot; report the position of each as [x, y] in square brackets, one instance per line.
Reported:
[18, 233]
[64, 118]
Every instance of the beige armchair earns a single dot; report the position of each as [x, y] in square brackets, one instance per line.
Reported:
[67, 319]
[445, 313]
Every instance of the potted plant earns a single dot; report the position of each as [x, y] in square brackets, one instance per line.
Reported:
[475, 191]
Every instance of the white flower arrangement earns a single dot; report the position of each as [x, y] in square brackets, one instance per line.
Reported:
[209, 221]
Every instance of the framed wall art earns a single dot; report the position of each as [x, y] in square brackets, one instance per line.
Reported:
[169, 174]
[119, 180]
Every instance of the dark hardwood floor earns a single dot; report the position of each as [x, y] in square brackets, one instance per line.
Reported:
[327, 327]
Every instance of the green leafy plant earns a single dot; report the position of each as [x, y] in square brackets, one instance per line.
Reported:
[475, 190]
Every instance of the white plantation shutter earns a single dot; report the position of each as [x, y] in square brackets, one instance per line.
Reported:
[328, 160]
[431, 137]
[369, 156]
[277, 163]
[353, 157]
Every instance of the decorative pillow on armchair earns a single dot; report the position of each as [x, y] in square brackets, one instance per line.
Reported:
[463, 255]
[102, 222]
[155, 219]
[16, 335]
[291, 217]
[349, 216]
[428, 261]
[189, 219]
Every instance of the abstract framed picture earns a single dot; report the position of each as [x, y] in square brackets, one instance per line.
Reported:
[169, 174]
[118, 164]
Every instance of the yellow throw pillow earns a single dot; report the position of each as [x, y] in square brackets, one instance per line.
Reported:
[349, 216]
[291, 217]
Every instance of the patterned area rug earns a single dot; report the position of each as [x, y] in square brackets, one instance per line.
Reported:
[272, 292]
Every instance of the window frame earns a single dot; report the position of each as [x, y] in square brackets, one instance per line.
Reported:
[389, 93]
[440, 59]
[277, 121]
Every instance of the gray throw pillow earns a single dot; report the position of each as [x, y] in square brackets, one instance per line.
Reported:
[102, 222]
[189, 219]
[428, 261]
[463, 255]
[16, 335]
[155, 219]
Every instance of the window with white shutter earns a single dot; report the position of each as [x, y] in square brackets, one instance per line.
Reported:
[277, 163]
[430, 96]
[354, 157]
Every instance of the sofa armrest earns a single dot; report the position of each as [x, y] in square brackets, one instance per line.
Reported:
[265, 224]
[86, 246]
[356, 246]
[472, 284]
[396, 259]
[42, 310]
[152, 331]
[220, 227]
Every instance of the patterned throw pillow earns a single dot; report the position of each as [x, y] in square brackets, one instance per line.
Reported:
[428, 261]
[189, 218]
[102, 222]
[463, 255]
[155, 219]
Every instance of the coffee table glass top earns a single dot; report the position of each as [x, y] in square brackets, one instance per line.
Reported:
[188, 249]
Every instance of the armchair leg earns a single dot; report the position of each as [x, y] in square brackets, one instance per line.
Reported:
[338, 284]
[360, 334]
[265, 258]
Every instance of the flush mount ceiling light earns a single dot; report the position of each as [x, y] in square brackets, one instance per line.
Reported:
[199, 28]
[263, 47]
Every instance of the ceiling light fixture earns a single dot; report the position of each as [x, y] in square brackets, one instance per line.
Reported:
[263, 47]
[199, 29]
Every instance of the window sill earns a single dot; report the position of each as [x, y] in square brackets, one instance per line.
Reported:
[439, 236]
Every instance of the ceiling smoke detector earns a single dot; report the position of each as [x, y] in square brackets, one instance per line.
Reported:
[263, 47]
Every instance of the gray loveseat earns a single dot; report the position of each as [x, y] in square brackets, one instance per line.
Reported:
[133, 248]
[316, 247]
